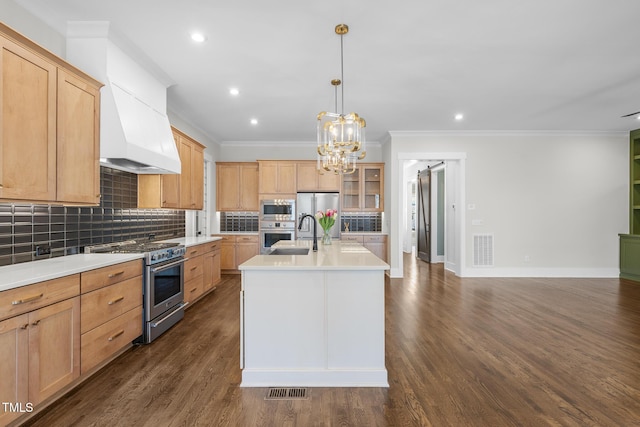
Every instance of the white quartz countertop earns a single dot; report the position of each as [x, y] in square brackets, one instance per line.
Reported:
[27, 273]
[193, 240]
[337, 256]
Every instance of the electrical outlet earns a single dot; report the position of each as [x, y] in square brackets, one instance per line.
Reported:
[43, 250]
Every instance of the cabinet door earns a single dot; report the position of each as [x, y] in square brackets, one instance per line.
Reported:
[249, 187]
[54, 348]
[197, 177]
[372, 182]
[307, 176]
[328, 181]
[27, 125]
[14, 354]
[286, 177]
[186, 193]
[268, 177]
[228, 256]
[246, 251]
[351, 191]
[228, 187]
[78, 161]
[211, 269]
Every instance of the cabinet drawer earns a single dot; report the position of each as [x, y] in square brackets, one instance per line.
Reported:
[193, 268]
[347, 238]
[247, 239]
[226, 238]
[107, 303]
[375, 239]
[193, 289]
[213, 246]
[194, 251]
[27, 298]
[101, 277]
[101, 342]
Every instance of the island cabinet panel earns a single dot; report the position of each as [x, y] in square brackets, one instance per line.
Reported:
[237, 187]
[295, 306]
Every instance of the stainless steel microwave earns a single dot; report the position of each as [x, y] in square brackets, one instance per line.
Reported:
[278, 210]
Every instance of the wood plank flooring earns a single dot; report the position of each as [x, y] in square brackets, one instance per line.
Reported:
[460, 352]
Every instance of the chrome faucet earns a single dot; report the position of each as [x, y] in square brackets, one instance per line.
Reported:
[315, 230]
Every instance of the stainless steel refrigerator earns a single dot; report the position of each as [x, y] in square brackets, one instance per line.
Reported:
[310, 203]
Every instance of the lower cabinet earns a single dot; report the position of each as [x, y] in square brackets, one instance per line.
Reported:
[202, 270]
[376, 243]
[39, 347]
[236, 249]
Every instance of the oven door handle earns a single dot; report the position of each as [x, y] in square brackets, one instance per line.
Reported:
[180, 306]
[167, 266]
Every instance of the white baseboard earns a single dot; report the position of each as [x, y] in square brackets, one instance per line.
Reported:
[542, 272]
[314, 378]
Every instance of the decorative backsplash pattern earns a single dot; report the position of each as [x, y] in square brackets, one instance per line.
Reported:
[238, 221]
[368, 222]
[66, 229]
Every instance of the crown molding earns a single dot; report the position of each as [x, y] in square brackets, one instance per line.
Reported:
[279, 143]
[512, 133]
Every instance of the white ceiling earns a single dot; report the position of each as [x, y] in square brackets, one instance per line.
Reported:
[410, 65]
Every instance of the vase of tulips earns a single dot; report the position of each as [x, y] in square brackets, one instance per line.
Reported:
[326, 220]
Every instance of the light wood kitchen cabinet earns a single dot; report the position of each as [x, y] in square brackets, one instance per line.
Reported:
[237, 187]
[14, 371]
[49, 113]
[363, 190]
[40, 342]
[309, 178]
[236, 249]
[111, 311]
[176, 191]
[202, 270]
[376, 243]
[78, 163]
[277, 177]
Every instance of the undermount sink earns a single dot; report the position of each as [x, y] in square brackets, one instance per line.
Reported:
[289, 251]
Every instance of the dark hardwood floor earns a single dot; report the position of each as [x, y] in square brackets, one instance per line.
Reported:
[460, 352]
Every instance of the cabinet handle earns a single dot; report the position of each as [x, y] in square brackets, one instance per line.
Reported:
[194, 268]
[112, 275]
[28, 299]
[98, 195]
[1, 186]
[36, 323]
[194, 289]
[113, 301]
[116, 335]
[25, 326]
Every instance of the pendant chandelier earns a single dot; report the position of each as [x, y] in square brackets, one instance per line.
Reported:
[341, 139]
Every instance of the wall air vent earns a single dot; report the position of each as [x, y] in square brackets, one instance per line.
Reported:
[483, 250]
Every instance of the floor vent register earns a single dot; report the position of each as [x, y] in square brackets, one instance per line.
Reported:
[288, 393]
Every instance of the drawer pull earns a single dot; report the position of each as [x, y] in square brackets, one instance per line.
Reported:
[28, 299]
[112, 275]
[36, 323]
[193, 252]
[194, 268]
[25, 326]
[113, 301]
[116, 335]
[194, 289]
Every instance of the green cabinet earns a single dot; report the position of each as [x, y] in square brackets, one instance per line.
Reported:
[630, 243]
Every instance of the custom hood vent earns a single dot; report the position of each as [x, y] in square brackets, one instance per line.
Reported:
[135, 134]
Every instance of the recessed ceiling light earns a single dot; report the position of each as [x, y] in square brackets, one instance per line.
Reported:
[459, 116]
[234, 91]
[254, 121]
[198, 37]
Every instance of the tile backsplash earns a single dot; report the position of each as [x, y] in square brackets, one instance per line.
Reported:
[238, 221]
[67, 229]
[365, 222]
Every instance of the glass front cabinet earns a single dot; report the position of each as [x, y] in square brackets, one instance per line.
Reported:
[363, 190]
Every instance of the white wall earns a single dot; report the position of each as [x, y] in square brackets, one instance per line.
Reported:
[559, 199]
[25, 23]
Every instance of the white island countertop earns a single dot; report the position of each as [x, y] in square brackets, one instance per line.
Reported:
[338, 255]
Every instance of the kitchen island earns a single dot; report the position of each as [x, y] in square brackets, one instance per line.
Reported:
[314, 320]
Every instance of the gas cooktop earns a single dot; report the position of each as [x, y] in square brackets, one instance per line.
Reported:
[154, 251]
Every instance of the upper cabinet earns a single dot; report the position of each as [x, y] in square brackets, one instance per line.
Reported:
[309, 178]
[237, 186]
[49, 126]
[277, 177]
[363, 190]
[176, 191]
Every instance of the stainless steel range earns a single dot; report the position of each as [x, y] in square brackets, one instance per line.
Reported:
[163, 287]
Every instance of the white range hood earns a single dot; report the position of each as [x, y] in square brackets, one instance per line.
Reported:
[135, 134]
